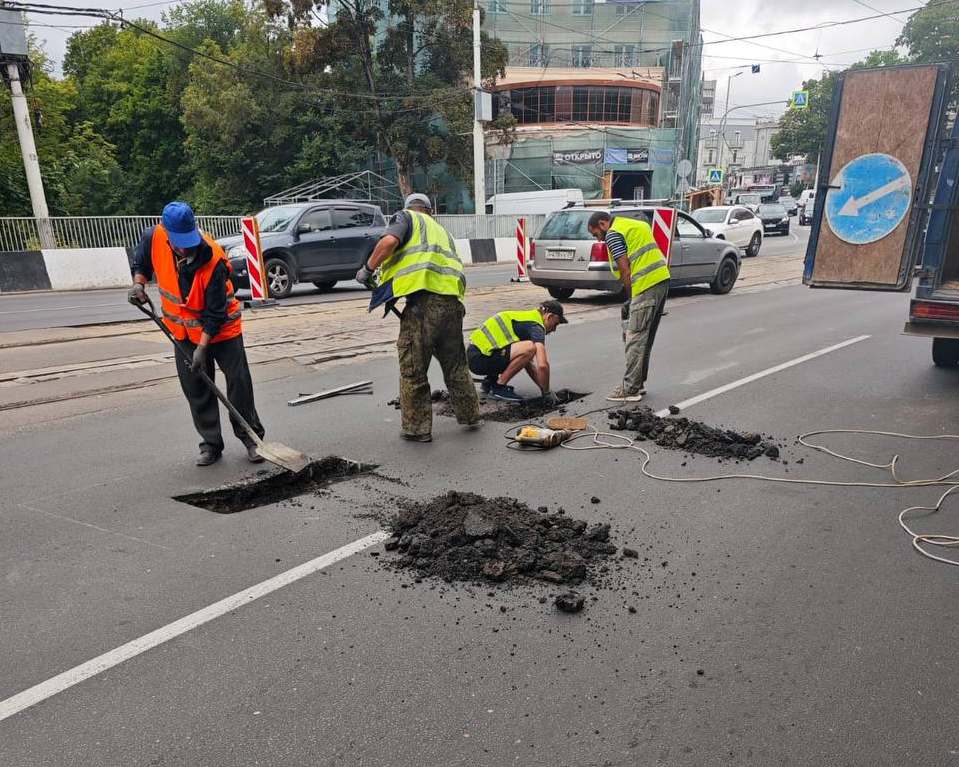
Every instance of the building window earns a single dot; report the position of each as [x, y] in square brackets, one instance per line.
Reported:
[625, 55]
[539, 55]
[582, 7]
[539, 7]
[625, 8]
[580, 103]
[582, 55]
[496, 6]
[710, 158]
[735, 156]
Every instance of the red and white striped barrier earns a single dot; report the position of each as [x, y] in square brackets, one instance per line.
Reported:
[259, 290]
[663, 221]
[522, 250]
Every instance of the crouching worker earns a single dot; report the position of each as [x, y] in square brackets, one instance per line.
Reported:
[511, 341]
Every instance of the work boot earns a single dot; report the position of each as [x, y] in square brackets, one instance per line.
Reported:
[252, 456]
[208, 456]
[473, 425]
[416, 437]
[619, 394]
[505, 393]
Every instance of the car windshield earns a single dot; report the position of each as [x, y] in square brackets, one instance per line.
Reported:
[710, 215]
[786, 200]
[772, 210]
[749, 199]
[567, 225]
[276, 219]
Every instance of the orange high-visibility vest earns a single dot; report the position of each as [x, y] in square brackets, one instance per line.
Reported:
[183, 317]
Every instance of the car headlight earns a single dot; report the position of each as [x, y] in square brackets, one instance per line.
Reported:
[237, 251]
[785, 220]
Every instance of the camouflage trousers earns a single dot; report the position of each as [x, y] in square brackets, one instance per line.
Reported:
[432, 326]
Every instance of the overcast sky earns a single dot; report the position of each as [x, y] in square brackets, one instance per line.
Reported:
[785, 60]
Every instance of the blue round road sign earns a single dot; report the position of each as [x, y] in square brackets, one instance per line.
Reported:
[872, 197]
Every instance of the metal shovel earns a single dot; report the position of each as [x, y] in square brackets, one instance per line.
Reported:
[275, 452]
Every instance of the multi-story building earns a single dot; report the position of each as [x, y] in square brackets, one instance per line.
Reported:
[606, 95]
[738, 143]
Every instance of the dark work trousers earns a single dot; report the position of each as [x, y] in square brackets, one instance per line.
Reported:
[230, 357]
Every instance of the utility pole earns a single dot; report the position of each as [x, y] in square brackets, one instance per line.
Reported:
[722, 137]
[479, 143]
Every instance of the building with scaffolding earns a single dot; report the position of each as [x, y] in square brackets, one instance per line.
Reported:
[606, 95]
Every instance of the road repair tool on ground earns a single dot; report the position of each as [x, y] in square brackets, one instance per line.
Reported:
[275, 452]
[538, 437]
[361, 387]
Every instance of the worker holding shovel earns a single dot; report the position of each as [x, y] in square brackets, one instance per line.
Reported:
[200, 311]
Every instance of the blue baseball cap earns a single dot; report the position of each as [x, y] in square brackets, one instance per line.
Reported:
[180, 225]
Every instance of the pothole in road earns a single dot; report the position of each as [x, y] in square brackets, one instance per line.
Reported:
[277, 487]
[506, 412]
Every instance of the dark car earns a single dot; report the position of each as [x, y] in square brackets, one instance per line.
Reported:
[775, 218]
[320, 242]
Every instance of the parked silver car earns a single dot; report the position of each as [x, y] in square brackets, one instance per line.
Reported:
[565, 257]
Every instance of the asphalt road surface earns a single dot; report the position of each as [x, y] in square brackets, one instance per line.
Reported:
[773, 624]
[27, 311]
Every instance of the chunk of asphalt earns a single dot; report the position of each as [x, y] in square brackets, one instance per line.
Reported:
[570, 602]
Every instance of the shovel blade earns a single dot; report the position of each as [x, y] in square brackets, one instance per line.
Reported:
[283, 456]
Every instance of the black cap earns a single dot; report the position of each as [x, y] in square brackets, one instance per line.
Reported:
[554, 307]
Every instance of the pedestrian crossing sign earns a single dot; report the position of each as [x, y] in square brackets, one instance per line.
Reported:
[715, 176]
[801, 99]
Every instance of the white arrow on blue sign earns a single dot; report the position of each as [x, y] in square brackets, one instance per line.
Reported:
[869, 198]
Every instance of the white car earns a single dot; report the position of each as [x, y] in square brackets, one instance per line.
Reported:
[807, 201]
[735, 224]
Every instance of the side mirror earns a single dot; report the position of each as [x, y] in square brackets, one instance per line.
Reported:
[710, 233]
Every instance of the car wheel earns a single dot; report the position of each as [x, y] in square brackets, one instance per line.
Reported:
[561, 294]
[725, 277]
[945, 352]
[279, 277]
[325, 286]
[754, 244]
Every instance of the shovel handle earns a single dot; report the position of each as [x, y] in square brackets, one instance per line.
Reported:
[151, 313]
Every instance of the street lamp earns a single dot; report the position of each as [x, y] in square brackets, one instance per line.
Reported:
[729, 85]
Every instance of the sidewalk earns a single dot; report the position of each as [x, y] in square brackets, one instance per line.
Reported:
[40, 367]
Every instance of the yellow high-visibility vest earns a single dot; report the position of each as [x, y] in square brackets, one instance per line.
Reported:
[647, 264]
[497, 332]
[428, 261]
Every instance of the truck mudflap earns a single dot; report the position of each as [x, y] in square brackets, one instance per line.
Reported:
[876, 170]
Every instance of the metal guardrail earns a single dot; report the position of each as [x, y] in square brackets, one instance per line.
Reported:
[24, 233]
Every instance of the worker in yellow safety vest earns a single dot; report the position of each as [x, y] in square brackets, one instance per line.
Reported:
[511, 341]
[637, 261]
[418, 261]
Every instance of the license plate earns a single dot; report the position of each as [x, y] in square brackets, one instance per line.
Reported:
[560, 254]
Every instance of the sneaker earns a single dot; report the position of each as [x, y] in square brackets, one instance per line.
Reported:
[505, 393]
[619, 394]
[487, 384]
[252, 456]
[416, 437]
[208, 456]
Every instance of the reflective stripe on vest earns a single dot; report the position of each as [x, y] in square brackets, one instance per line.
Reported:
[428, 261]
[647, 264]
[182, 318]
[497, 332]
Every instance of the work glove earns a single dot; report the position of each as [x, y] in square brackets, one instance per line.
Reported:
[624, 312]
[198, 362]
[550, 399]
[364, 276]
[137, 294]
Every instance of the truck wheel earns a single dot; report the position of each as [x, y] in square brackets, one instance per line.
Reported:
[561, 294]
[325, 285]
[725, 277]
[280, 278]
[945, 352]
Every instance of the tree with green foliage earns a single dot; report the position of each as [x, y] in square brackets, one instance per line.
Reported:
[931, 35]
[406, 69]
[803, 131]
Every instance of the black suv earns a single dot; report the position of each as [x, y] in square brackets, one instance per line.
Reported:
[320, 242]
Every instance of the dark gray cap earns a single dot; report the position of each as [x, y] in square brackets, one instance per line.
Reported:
[554, 307]
[418, 199]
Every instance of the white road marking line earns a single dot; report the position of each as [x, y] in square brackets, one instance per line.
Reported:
[60, 308]
[761, 374]
[131, 649]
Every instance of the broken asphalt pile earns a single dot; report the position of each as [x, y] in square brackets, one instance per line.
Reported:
[499, 410]
[690, 436]
[466, 537]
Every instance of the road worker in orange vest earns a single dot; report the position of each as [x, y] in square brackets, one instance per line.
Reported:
[200, 310]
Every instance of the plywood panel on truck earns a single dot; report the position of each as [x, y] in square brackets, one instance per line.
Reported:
[884, 115]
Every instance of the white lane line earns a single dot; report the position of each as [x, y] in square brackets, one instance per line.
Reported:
[762, 374]
[131, 649]
[61, 308]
